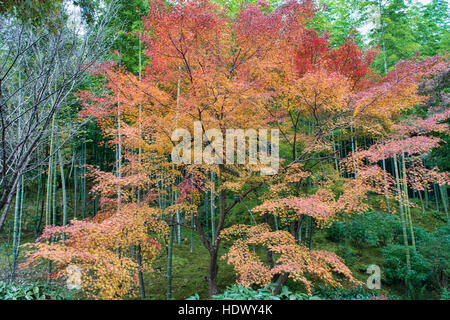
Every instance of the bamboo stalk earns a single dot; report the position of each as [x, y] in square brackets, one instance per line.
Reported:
[402, 218]
[63, 184]
[408, 209]
[169, 264]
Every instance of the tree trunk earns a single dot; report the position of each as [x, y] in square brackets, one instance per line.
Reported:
[311, 229]
[192, 233]
[63, 184]
[406, 197]
[212, 271]
[140, 274]
[169, 264]
[436, 197]
[75, 188]
[385, 186]
[83, 213]
[443, 190]
[38, 196]
[280, 283]
[17, 229]
[402, 218]
[213, 207]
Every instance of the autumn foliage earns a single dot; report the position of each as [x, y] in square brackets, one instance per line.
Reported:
[102, 249]
[301, 264]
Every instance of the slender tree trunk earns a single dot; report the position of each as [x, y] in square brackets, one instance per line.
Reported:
[336, 165]
[212, 271]
[16, 232]
[18, 209]
[385, 186]
[353, 144]
[178, 224]
[311, 229]
[421, 201]
[38, 198]
[169, 264]
[213, 208]
[49, 177]
[444, 198]
[75, 187]
[140, 273]
[119, 158]
[402, 217]
[140, 116]
[38, 225]
[192, 233]
[206, 207]
[83, 204]
[380, 8]
[55, 174]
[63, 185]
[408, 210]
[436, 197]
[270, 261]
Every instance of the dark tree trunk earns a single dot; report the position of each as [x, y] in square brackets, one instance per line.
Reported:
[279, 283]
[212, 271]
[140, 274]
[311, 229]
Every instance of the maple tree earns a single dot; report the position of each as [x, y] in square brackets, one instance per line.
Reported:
[293, 259]
[224, 77]
[331, 89]
[207, 68]
[101, 247]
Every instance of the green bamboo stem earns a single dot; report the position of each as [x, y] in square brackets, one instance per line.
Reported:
[55, 166]
[63, 185]
[402, 218]
[16, 232]
[83, 191]
[75, 187]
[49, 177]
[140, 273]
[436, 197]
[406, 197]
[169, 264]
[385, 186]
[192, 233]
[38, 196]
[444, 197]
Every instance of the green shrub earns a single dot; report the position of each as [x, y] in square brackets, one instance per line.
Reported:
[239, 292]
[430, 264]
[436, 249]
[380, 227]
[348, 254]
[361, 234]
[395, 268]
[370, 229]
[33, 291]
[445, 294]
[421, 235]
[358, 293]
[337, 231]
